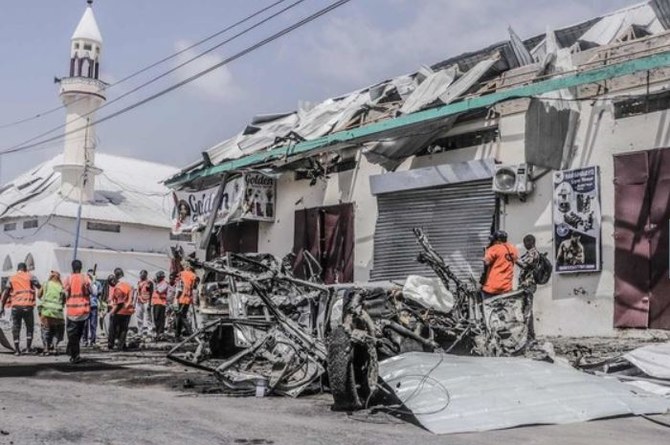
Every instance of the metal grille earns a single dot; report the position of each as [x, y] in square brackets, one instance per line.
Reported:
[456, 218]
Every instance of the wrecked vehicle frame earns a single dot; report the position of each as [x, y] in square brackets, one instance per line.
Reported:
[359, 325]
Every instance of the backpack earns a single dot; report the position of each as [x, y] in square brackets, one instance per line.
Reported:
[543, 269]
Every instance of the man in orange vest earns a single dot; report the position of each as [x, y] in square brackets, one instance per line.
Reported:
[122, 309]
[77, 289]
[188, 281]
[499, 260]
[145, 289]
[159, 303]
[21, 289]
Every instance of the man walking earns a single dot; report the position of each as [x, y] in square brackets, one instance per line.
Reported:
[91, 329]
[122, 309]
[145, 288]
[22, 289]
[188, 280]
[499, 260]
[159, 302]
[77, 308]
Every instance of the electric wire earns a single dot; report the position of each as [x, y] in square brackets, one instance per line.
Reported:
[151, 66]
[419, 388]
[656, 421]
[162, 75]
[190, 79]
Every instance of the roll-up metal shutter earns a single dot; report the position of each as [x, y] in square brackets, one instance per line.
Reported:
[457, 219]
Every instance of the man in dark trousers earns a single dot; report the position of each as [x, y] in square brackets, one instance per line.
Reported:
[122, 306]
[21, 288]
[77, 289]
[159, 303]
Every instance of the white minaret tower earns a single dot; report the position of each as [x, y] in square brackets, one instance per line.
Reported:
[82, 93]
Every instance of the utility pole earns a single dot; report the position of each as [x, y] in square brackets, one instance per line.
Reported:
[84, 178]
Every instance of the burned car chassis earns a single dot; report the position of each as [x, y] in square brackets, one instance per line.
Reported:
[359, 326]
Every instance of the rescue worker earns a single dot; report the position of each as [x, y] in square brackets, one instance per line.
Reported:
[145, 288]
[499, 260]
[122, 309]
[159, 302]
[51, 312]
[77, 309]
[188, 281]
[22, 290]
[91, 330]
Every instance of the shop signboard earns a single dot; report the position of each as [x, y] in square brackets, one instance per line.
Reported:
[247, 197]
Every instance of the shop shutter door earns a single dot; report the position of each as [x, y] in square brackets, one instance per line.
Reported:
[456, 218]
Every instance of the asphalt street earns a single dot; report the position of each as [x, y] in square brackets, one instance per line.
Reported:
[141, 398]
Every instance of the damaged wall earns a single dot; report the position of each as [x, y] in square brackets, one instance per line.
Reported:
[573, 304]
[343, 187]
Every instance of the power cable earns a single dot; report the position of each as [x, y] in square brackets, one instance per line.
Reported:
[190, 79]
[149, 67]
[166, 73]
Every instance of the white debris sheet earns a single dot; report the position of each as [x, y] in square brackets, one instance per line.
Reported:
[653, 360]
[456, 394]
[429, 292]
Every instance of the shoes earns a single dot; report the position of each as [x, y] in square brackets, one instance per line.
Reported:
[75, 360]
[17, 352]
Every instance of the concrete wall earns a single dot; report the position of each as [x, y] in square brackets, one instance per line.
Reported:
[350, 186]
[133, 249]
[571, 304]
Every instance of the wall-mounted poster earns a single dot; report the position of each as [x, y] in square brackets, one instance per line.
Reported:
[577, 220]
[248, 197]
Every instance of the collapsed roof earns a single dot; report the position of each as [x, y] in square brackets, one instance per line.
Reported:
[474, 73]
[127, 191]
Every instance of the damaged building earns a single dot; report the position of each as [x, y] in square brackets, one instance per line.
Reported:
[564, 135]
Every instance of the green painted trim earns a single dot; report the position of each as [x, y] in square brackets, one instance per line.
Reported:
[556, 83]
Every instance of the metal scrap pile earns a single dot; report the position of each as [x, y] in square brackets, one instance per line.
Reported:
[281, 333]
[272, 336]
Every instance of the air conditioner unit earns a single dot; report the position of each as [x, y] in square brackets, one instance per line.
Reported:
[513, 179]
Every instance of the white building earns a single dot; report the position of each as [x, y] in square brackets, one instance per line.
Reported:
[125, 220]
[358, 171]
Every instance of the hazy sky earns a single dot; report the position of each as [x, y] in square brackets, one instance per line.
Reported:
[359, 44]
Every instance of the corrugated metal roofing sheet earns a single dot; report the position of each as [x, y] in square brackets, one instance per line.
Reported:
[455, 394]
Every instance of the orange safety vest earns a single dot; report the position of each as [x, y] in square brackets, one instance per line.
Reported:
[188, 281]
[159, 298]
[143, 291]
[123, 294]
[78, 303]
[22, 293]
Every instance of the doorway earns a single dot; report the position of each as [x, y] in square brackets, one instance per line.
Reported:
[238, 237]
[641, 241]
[327, 233]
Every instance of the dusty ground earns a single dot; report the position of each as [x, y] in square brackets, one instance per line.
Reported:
[141, 398]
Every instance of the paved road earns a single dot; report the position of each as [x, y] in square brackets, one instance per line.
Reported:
[140, 399]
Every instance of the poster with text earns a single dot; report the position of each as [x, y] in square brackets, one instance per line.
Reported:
[577, 220]
[248, 197]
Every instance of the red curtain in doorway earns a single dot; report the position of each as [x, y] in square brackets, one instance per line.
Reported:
[328, 234]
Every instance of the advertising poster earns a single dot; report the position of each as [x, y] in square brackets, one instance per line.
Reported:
[248, 197]
[577, 220]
